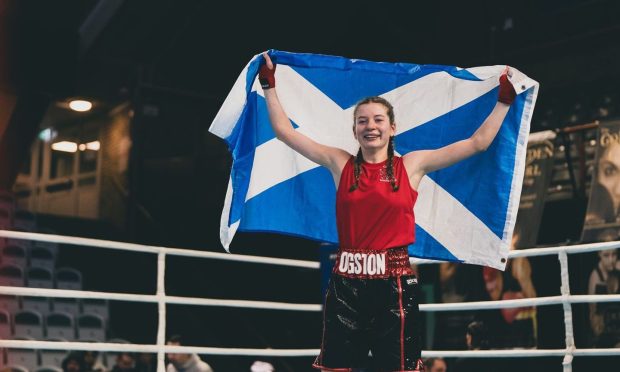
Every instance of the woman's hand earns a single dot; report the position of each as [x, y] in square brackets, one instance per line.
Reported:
[266, 73]
[507, 92]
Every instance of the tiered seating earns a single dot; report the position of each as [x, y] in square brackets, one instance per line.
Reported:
[28, 324]
[7, 209]
[5, 325]
[49, 358]
[12, 275]
[60, 326]
[13, 255]
[22, 358]
[46, 368]
[91, 327]
[34, 264]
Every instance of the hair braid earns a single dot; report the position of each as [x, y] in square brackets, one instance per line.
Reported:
[390, 164]
[357, 170]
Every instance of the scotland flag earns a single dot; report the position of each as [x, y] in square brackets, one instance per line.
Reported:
[464, 213]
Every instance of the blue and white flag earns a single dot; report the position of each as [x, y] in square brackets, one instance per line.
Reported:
[464, 213]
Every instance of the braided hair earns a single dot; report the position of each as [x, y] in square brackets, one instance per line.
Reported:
[359, 158]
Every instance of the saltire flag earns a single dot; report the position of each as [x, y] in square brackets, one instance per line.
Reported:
[464, 213]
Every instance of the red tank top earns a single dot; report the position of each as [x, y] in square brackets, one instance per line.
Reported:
[373, 216]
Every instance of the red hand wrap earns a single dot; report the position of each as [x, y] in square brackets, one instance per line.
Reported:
[507, 92]
[267, 77]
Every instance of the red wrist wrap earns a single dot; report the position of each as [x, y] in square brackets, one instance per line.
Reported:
[267, 77]
[507, 92]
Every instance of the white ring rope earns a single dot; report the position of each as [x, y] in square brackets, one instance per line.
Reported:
[161, 306]
[69, 293]
[471, 305]
[568, 312]
[106, 346]
[109, 244]
[565, 299]
[117, 347]
[569, 249]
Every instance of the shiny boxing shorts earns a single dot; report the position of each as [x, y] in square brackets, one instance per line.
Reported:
[371, 306]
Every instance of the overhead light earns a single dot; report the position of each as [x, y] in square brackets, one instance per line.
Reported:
[80, 105]
[94, 146]
[48, 134]
[65, 146]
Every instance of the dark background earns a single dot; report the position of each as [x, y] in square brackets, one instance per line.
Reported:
[182, 57]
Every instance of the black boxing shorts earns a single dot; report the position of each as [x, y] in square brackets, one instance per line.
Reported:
[371, 306]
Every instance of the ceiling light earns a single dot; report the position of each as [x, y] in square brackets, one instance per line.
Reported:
[48, 134]
[80, 105]
[65, 146]
[94, 146]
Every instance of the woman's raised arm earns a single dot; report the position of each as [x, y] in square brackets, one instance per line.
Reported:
[419, 163]
[331, 157]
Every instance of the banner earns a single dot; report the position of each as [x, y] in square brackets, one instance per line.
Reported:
[538, 169]
[602, 222]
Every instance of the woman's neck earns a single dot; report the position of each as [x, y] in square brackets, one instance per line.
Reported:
[604, 272]
[375, 156]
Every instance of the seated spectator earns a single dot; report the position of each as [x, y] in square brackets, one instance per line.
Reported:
[93, 362]
[125, 362]
[513, 327]
[477, 338]
[73, 362]
[435, 365]
[455, 285]
[260, 366]
[146, 362]
[605, 317]
[184, 362]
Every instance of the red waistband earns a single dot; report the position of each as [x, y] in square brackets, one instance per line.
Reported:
[372, 264]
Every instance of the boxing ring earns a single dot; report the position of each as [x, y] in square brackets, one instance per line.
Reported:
[566, 299]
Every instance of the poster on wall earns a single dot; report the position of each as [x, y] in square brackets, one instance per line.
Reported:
[602, 222]
[538, 168]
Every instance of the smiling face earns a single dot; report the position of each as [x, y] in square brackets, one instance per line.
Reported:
[373, 126]
[608, 173]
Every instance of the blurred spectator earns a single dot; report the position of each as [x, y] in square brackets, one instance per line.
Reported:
[455, 285]
[513, 327]
[605, 317]
[260, 366]
[125, 362]
[73, 362]
[93, 362]
[477, 338]
[435, 365]
[185, 362]
[145, 362]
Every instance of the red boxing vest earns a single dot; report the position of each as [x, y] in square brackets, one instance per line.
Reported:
[374, 217]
